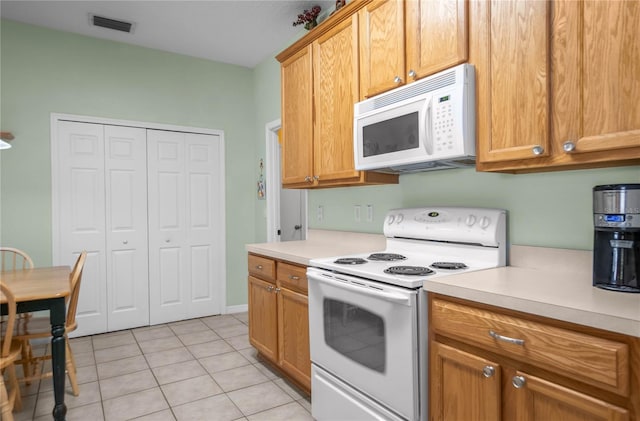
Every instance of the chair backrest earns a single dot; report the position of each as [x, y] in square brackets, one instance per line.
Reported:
[7, 295]
[12, 259]
[75, 278]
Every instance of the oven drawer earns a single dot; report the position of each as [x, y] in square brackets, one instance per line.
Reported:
[262, 267]
[590, 359]
[293, 277]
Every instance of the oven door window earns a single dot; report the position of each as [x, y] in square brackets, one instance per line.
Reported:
[355, 333]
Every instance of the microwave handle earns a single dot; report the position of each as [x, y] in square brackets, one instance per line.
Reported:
[427, 112]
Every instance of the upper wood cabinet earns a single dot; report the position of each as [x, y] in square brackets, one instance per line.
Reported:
[557, 83]
[319, 89]
[402, 41]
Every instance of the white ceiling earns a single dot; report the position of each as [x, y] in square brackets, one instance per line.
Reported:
[242, 32]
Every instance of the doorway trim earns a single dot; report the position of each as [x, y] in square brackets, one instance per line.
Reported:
[274, 182]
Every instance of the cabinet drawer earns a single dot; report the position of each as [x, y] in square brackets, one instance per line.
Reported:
[590, 359]
[293, 277]
[262, 267]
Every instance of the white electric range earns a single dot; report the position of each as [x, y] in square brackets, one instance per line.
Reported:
[368, 313]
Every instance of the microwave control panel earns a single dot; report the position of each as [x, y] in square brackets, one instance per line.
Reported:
[443, 123]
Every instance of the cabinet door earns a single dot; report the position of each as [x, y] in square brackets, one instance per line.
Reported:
[541, 400]
[335, 87]
[437, 36]
[381, 27]
[263, 318]
[596, 62]
[463, 386]
[509, 46]
[297, 119]
[293, 335]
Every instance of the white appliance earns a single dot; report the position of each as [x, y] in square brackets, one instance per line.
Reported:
[425, 125]
[368, 312]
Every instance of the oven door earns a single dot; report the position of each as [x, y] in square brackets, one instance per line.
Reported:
[366, 334]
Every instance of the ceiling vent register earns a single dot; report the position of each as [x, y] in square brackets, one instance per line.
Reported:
[117, 25]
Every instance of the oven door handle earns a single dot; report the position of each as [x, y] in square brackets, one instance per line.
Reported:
[403, 299]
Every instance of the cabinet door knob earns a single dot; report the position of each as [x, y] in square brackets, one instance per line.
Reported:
[397, 80]
[307, 179]
[569, 146]
[316, 177]
[518, 382]
[294, 278]
[537, 150]
[412, 74]
[277, 290]
[259, 267]
[488, 371]
[269, 288]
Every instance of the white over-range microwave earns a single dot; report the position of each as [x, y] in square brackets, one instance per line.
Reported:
[426, 125]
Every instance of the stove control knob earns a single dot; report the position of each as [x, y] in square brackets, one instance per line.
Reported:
[391, 219]
[400, 218]
[485, 222]
[471, 219]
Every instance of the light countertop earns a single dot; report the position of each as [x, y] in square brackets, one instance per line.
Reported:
[554, 283]
[320, 243]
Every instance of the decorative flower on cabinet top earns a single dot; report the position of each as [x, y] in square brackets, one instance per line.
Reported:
[308, 18]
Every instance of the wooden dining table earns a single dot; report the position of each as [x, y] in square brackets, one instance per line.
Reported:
[45, 288]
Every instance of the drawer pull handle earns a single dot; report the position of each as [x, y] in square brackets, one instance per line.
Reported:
[518, 382]
[488, 371]
[259, 267]
[499, 337]
[294, 278]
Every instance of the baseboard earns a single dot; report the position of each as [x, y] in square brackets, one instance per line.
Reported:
[242, 308]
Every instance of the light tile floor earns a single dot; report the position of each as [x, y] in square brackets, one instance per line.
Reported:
[199, 369]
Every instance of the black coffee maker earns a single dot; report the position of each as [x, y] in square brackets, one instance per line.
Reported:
[616, 247]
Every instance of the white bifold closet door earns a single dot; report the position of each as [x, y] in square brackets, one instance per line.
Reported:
[101, 207]
[185, 224]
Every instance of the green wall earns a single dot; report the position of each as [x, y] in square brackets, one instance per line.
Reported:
[546, 209]
[45, 71]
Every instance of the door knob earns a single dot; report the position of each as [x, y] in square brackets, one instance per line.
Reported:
[397, 80]
[412, 74]
[297, 227]
[569, 146]
[518, 382]
[537, 150]
[488, 371]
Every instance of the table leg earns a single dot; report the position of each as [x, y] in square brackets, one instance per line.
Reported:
[58, 358]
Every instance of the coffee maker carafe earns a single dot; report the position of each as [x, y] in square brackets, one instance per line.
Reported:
[616, 248]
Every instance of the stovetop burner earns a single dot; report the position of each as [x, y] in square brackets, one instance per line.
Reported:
[409, 270]
[386, 256]
[448, 265]
[350, 261]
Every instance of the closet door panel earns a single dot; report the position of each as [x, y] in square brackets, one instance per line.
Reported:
[168, 270]
[79, 195]
[204, 159]
[127, 260]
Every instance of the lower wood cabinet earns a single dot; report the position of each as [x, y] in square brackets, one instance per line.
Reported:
[488, 363]
[279, 316]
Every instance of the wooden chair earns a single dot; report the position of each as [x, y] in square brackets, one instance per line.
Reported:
[40, 327]
[16, 259]
[12, 259]
[9, 354]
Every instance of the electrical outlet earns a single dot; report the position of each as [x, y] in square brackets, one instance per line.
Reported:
[369, 213]
[356, 212]
[320, 213]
